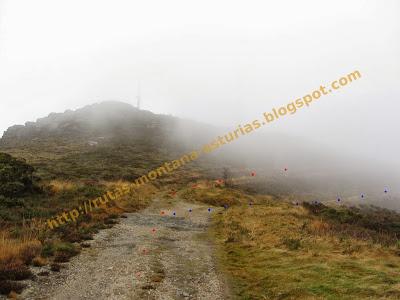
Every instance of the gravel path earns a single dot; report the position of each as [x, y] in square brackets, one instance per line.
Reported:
[149, 255]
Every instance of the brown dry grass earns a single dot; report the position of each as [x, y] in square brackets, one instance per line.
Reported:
[20, 245]
[279, 251]
[208, 192]
[18, 249]
[106, 215]
[14, 257]
[138, 198]
[319, 227]
[12, 295]
[39, 261]
[58, 186]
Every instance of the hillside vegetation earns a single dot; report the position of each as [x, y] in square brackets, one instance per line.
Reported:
[26, 240]
[269, 247]
[55, 164]
[275, 250]
[107, 141]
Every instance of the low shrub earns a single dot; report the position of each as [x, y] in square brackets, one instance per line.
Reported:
[7, 286]
[10, 202]
[15, 255]
[16, 177]
[47, 250]
[110, 222]
[292, 244]
[39, 261]
[14, 270]
[28, 253]
[217, 196]
[55, 267]
[65, 250]
[379, 225]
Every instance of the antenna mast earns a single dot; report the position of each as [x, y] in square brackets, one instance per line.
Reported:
[138, 95]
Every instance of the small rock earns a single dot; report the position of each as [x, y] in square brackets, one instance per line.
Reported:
[44, 273]
[55, 267]
[186, 295]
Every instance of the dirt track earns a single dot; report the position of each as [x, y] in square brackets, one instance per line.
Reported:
[148, 255]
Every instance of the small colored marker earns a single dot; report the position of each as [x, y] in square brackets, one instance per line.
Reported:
[190, 210]
[209, 210]
[174, 213]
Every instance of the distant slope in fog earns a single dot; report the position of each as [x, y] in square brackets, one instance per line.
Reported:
[313, 171]
[114, 140]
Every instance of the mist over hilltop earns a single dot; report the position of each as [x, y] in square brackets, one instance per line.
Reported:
[106, 120]
[213, 65]
[108, 140]
[116, 135]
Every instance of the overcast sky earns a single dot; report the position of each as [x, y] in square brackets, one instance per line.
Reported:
[221, 62]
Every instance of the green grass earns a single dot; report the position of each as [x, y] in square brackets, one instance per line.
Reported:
[274, 256]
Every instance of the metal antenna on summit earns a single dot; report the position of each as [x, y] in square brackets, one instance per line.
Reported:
[138, 95]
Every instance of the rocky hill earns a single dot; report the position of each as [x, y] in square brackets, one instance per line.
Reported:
[106, 140]
[96, 122]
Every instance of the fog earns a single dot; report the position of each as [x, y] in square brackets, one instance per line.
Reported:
[222, 63]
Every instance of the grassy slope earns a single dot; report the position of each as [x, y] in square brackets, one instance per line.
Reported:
[276, 250]
[279, 251]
